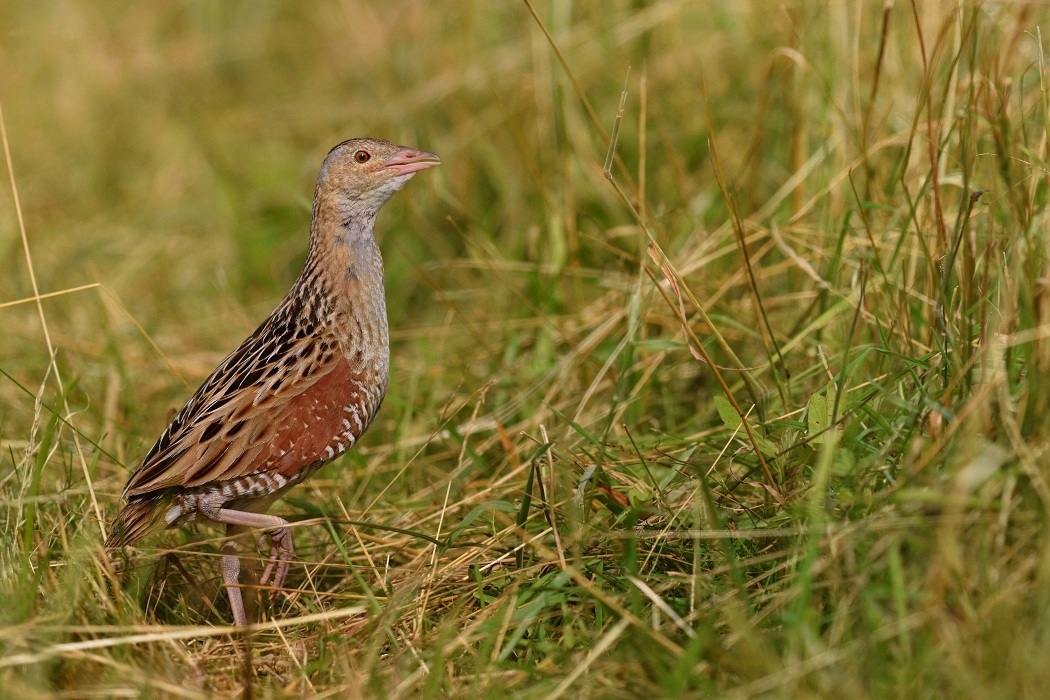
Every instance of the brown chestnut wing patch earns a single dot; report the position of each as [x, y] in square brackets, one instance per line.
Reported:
[284, 430]
[305, 429]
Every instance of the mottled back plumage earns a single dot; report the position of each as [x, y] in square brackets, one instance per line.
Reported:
[301, 390]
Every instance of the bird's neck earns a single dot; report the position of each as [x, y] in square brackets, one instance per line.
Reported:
[342, 252]
[345, 267]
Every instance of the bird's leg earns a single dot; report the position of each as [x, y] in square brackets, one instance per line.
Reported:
[277, 530]
[231, 572]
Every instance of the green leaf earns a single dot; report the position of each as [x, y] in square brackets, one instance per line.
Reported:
[766, 447]
[817, 418]
[727, 413]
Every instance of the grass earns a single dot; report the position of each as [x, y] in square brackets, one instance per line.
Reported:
[771, 423]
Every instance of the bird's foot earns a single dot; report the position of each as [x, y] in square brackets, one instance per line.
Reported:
[280, 559]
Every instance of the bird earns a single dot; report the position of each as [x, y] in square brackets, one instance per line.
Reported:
[297, 393]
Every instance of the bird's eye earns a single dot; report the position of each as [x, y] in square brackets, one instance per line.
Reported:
[362, 156]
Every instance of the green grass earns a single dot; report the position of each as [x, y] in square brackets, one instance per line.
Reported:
[561, 497]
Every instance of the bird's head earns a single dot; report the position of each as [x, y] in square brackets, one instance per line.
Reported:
[361, 174]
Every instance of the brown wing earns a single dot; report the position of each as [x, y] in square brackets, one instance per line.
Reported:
[276, 403]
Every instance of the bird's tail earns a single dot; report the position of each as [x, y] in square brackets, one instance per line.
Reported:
[138, 520]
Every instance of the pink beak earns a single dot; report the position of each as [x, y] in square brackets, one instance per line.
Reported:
[411, 160]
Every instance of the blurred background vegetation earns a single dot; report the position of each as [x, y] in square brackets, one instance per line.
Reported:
[853, 193]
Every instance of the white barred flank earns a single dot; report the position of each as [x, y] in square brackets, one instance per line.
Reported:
[355, 414]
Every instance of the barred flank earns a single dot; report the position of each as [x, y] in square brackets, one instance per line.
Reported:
[138, 520]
